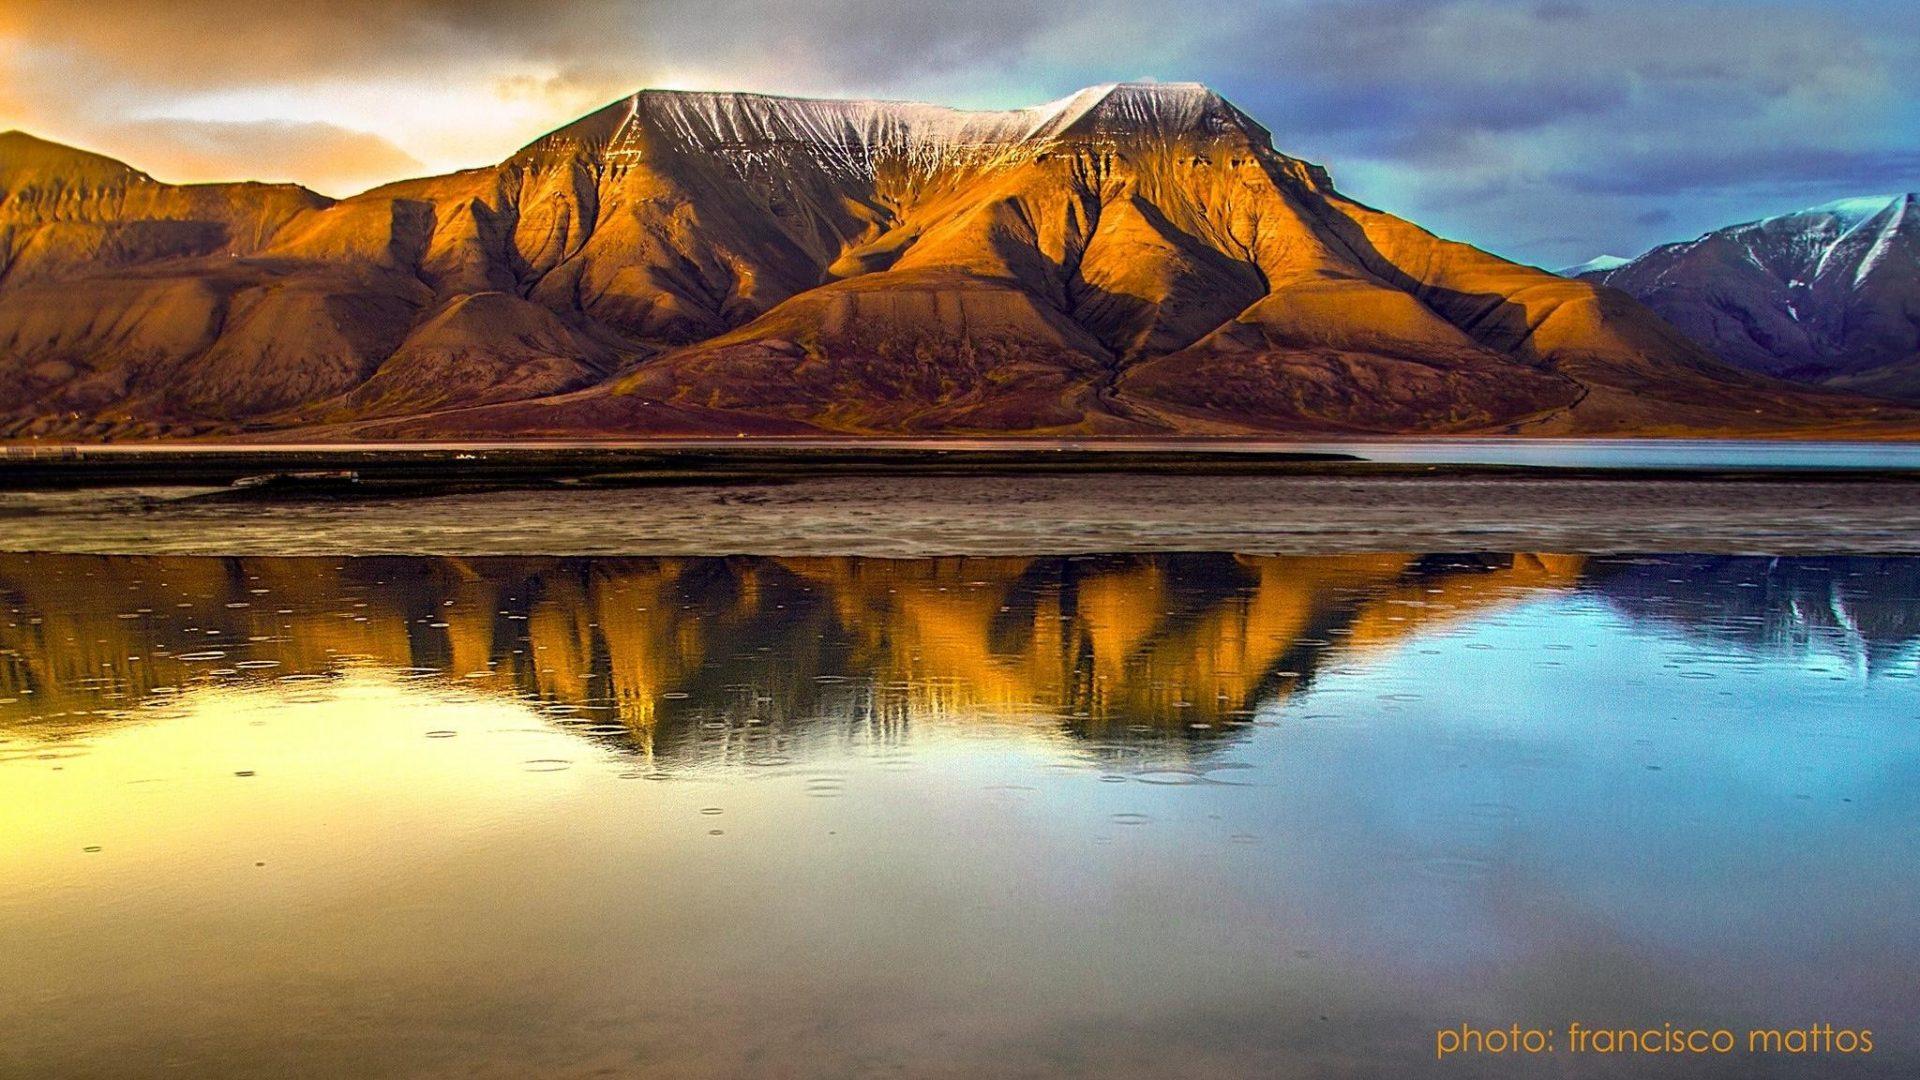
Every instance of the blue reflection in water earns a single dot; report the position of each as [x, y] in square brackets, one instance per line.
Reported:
[1123, 816]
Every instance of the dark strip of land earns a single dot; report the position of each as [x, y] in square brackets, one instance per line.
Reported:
[351, 469]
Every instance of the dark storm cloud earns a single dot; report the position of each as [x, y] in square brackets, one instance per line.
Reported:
[1475, 65]
[1500, 122]
[1520, 124]
[1787, 170]
[203, 43]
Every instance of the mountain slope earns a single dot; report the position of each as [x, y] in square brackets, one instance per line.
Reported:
[1829, 295]
[1130, 259]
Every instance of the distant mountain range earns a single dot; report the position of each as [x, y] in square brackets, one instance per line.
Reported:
[1131, 259]
[1829, 295]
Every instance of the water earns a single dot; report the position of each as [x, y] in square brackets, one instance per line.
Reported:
[1677, 454]
[1128, 815]
[1584, 453]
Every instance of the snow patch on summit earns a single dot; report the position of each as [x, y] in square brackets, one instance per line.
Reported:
[1597, 264]
[1850, 213]
[854, 137]
[1841, 240]
[1882, 243]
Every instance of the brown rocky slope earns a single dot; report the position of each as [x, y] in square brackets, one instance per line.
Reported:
[1132, 259]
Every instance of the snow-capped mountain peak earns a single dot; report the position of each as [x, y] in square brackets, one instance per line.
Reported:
[1848, 213]
[1825, 293]
[858, 136]
[1595, 265]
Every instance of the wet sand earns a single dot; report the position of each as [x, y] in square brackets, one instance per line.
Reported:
[924, 515]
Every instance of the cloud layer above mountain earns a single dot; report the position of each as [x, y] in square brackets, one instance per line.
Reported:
[1545, 129]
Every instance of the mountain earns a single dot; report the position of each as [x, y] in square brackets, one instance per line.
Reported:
[1130, 259]
[1829, 295]
[1594, 265]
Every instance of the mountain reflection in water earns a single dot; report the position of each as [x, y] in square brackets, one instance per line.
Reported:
[670, 650]
[1120, 816]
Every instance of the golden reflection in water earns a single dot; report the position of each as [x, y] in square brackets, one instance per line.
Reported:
[479, 817]
[327, 754]
[1170, 643]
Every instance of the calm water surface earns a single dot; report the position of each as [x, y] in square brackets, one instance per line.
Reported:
[1115, 816]
[1585, 453]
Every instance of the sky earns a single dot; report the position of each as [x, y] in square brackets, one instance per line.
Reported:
[1546, 130]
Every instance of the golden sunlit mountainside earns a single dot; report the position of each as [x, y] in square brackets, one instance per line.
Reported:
[1131, 259]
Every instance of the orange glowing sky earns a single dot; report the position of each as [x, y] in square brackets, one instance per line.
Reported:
[1602, 127]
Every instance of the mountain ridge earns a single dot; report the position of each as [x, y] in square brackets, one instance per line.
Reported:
[1828, 295]
[1129, 259]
